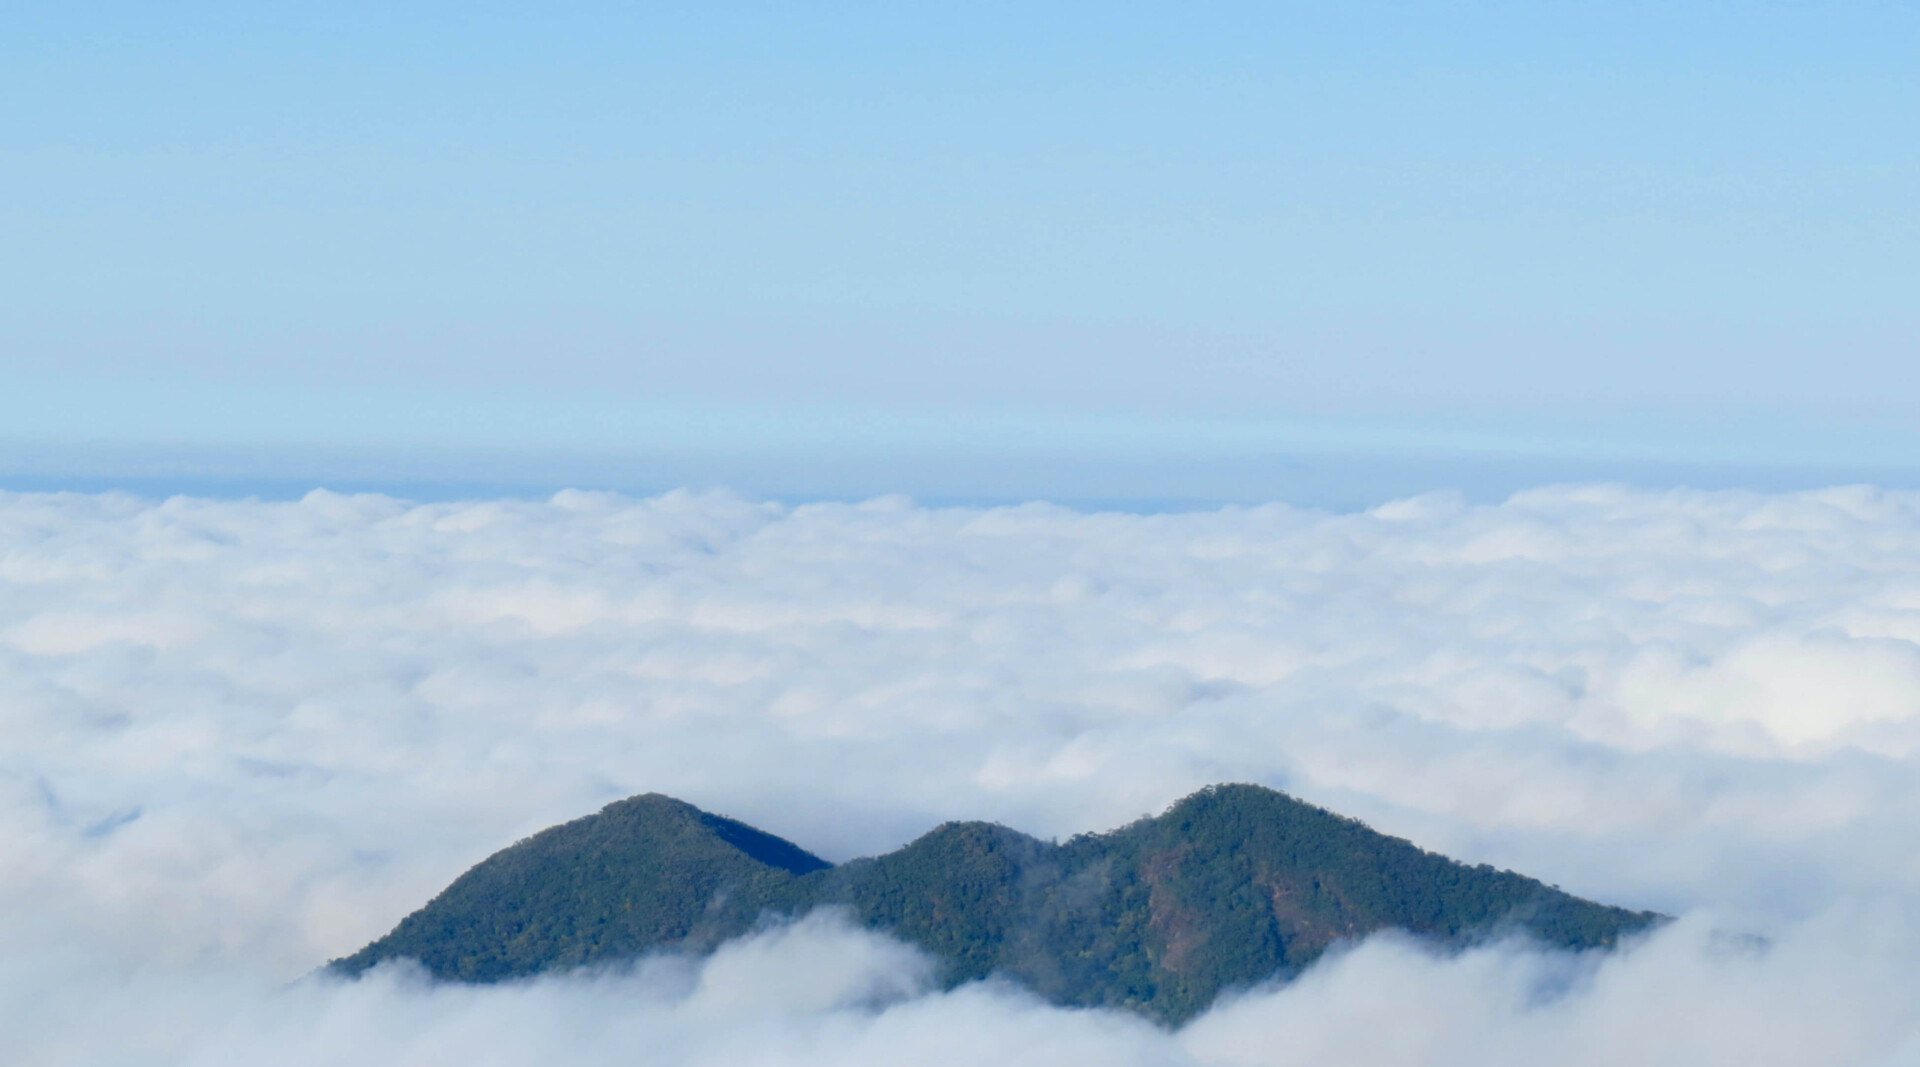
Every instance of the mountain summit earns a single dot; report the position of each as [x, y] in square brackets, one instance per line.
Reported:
[1233, 885]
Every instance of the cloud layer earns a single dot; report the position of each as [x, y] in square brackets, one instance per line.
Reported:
[237, 738]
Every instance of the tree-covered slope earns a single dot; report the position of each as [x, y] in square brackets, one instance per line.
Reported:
[1233, 885]
[642, 873]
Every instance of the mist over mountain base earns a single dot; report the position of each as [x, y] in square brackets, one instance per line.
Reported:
[821, 991]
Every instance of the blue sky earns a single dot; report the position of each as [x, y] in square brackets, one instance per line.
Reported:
[366, 243]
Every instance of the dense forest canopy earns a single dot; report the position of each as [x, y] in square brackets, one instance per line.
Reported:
[1233, 885]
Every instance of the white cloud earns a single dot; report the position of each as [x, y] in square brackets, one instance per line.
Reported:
[821, 992]
[237, 738]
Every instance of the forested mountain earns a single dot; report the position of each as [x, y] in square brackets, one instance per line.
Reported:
[1233, 885]
[643, 873]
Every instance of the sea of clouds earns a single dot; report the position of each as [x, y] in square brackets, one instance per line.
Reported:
[240, 738]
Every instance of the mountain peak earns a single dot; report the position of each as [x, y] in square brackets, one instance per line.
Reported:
[645, 872]
[1233, 885]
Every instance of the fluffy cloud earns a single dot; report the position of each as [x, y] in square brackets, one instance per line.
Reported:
[237, 738]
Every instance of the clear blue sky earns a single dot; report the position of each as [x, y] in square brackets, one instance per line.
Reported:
[1681, 233]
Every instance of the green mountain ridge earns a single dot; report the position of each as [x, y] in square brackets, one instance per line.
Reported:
[1234, 885]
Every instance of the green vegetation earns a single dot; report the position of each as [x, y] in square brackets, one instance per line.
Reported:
[1234, 885]
[644, 872]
